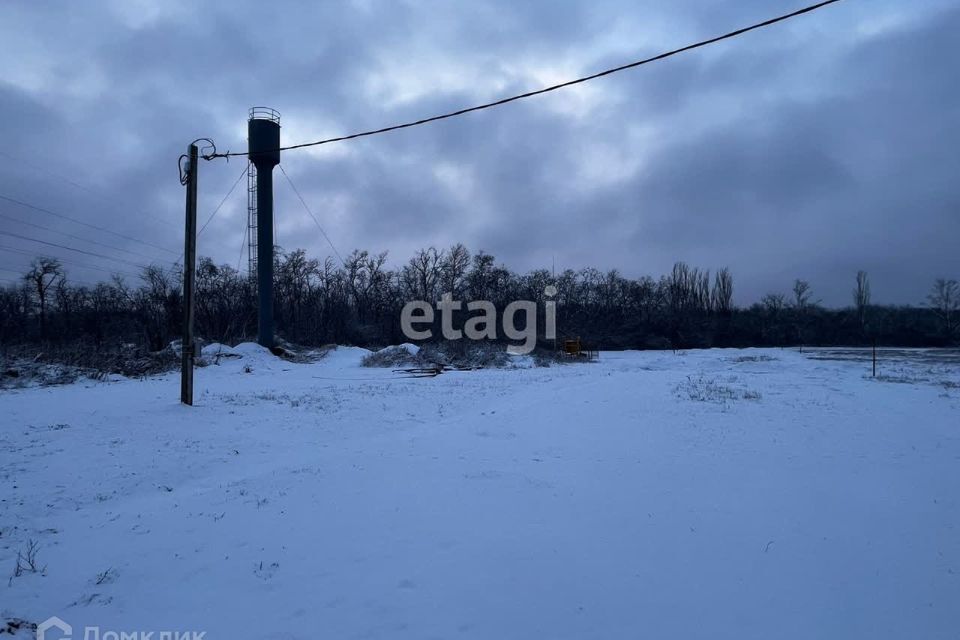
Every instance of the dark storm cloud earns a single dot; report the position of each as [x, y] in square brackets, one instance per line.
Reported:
[817, 148]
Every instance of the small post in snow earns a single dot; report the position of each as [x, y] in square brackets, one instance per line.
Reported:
[874, 357]
[189, 275]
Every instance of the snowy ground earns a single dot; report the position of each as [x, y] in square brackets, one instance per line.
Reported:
[714, 494]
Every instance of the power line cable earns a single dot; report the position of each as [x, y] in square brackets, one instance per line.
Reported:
[54, 244]
[65, 279]
[232, 189]
[246, 237]
[562, 85]
[81, 222]
[239, 178]
[62, 275]
[70, 235]
[313, 217]
[70, 262]
[100, 195]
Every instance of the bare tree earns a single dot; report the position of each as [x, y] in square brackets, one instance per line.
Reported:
[680, 288]
[774, 303]
[861, 297]
[359, 303]
[157, 303]
[801, 294]
[944, 297]
[454, 268]
[44, 273]
[480, 279]
[723, 292]
[703, 300]
[14, 312]
[802, 301]
[422, 274]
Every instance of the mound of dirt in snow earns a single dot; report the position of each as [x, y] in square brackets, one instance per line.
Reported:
[217, 349]
[252, 349]
[463, 353]
[402, 355]
[466, 353]
[410, 347]
[346, 356]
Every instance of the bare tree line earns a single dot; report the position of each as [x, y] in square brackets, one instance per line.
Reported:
[359, 302]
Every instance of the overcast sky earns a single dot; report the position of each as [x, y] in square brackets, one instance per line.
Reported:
[808, 150]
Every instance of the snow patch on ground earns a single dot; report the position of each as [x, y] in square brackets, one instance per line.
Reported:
[325, 499]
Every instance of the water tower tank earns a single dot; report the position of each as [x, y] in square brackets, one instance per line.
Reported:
[263, 138]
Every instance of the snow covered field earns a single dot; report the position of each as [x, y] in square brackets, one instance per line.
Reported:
[714, 494]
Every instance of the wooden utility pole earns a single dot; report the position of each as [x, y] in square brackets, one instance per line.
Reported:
[187, 346]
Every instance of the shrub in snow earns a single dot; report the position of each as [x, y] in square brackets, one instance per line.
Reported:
[14, 626]
[392, 357]
[550, 357]
[106, 577]
[27, 560]
[701, 389]
[469, 354]
[754, 359]
[64, 364]
[466, 353]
